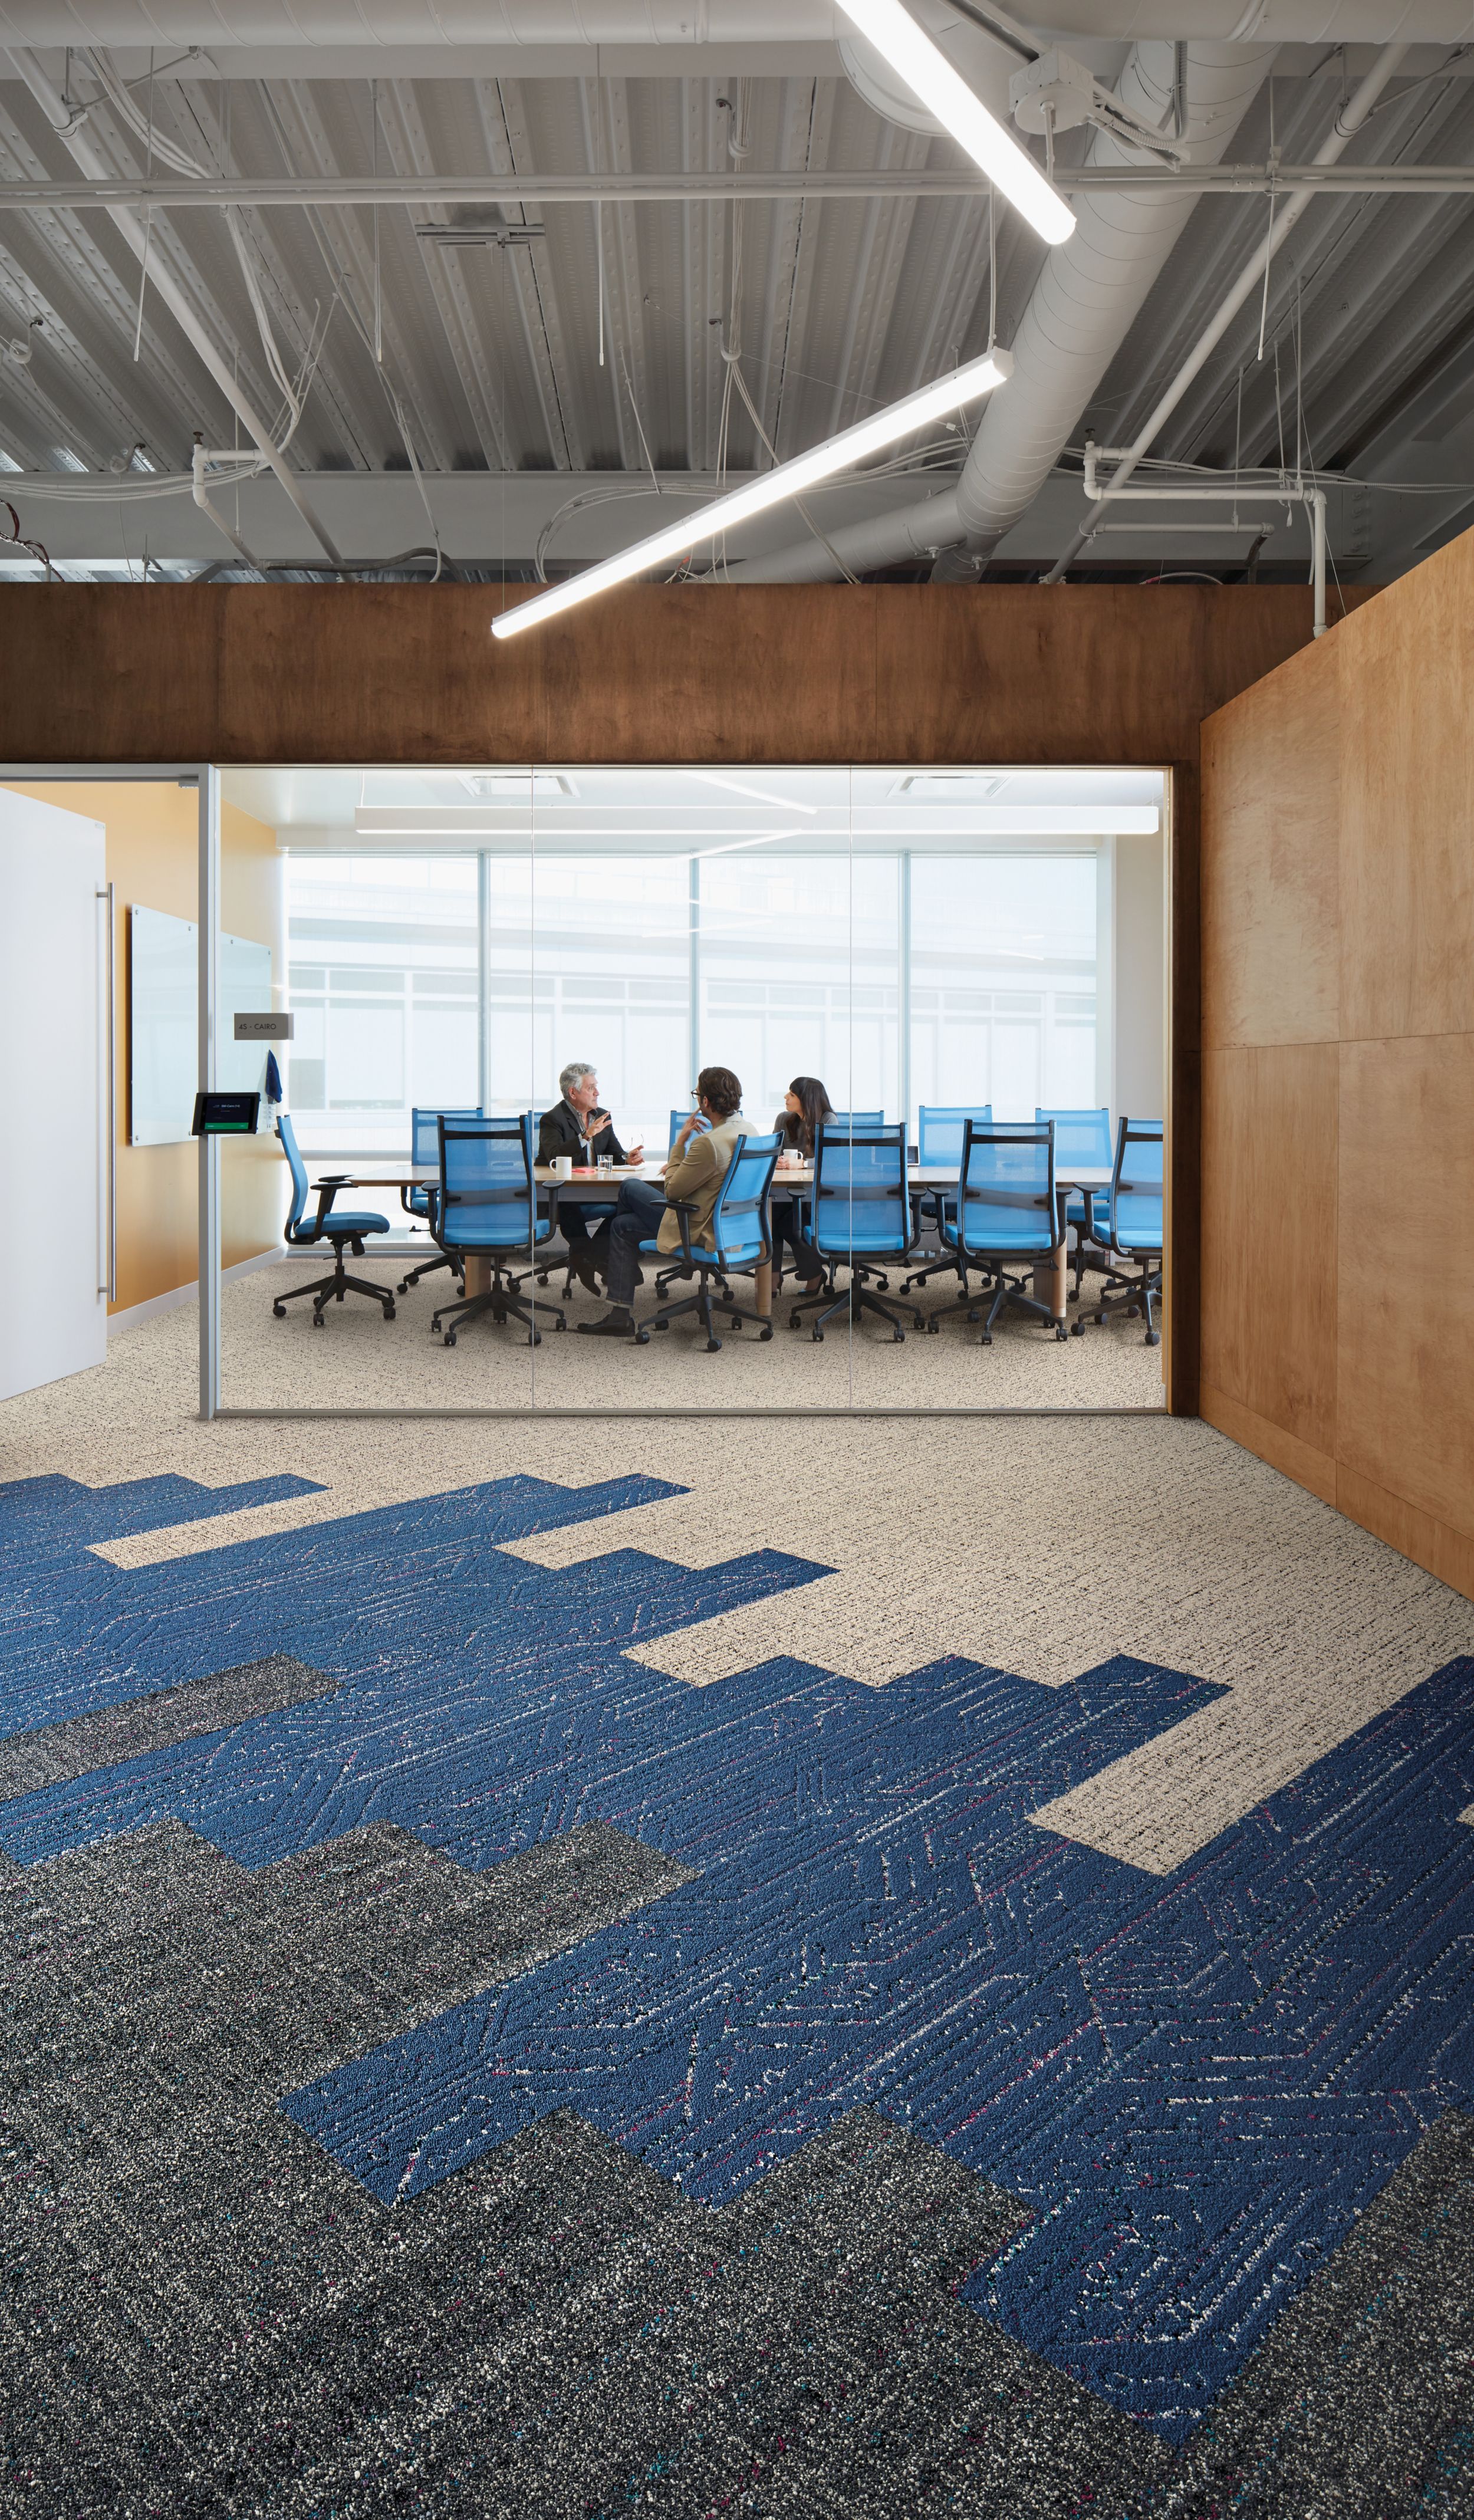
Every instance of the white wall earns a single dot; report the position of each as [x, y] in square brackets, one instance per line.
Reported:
[1131, 977]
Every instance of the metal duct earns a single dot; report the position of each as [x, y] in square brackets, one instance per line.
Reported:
[726, 25]
[1087, 299]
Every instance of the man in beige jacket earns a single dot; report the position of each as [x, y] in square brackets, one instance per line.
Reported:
[694, 1174]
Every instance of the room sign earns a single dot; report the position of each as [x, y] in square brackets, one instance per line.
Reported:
[266, 1027]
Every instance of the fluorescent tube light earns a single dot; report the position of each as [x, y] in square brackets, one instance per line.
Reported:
[761, 842]
[964, 384]
[925, 68]
[740, 787]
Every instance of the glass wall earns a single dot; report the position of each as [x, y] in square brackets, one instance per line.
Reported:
[456, 940]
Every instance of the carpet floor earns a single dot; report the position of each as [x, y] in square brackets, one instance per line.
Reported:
[810, 1968]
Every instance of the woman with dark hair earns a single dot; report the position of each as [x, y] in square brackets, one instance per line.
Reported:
[806, 1106]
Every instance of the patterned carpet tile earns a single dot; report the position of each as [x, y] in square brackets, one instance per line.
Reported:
[449, 2064]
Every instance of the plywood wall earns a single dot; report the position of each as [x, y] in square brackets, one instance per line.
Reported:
[152, 859]
[1337, 1306]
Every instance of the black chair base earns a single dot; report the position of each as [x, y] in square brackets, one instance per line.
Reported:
[426, 1269]
[1135, 1297]
[1003, 1291]
[503, 1302]
[328, 1290]
[701, 1303]
[856, 1297]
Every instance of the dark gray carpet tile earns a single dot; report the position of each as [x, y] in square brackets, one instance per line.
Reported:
[59, 1753]
[1359, 2403]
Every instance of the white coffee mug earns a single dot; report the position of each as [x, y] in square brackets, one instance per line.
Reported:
[562, 1167]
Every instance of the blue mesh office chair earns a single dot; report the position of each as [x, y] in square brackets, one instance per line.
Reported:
[1131, 1227]
[418, 1199]
[854, 1120]
[326, 1226]
[487, 1210]
[1006, 1215]
[678, 1120]
[939, 1147]
[1082, 1138]
[740, 1242]
[861, 1219]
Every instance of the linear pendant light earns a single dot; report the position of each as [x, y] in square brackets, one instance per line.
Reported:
[883, 429]
[927, 71]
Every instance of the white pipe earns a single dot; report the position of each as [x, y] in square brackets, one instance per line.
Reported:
[724, 26]
[1086, 298]
[202, 501]
[1347, 123]
[1275, 495]
[161, 281]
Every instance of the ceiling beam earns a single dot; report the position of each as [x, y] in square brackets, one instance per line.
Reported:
[482, 191]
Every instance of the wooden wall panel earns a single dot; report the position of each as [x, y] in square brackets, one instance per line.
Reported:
[1270, 893]
[657, 673]
[1404, 1404]
[1269, 1262]
[1338, 946]
[1408, 767]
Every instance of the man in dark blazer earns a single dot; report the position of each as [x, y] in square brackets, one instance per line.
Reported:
[578, 1127]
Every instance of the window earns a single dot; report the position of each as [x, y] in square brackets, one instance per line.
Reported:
[1003, 960]
[384, 984]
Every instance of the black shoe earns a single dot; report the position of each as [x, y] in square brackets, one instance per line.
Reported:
[616, 1325]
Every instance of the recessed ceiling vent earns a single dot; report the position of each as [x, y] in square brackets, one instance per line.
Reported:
[512, 787]
[950, 786]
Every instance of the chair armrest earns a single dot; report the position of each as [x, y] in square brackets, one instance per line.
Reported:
[684, 1210]
[326, 1192]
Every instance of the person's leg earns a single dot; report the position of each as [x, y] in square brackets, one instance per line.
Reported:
[635, 1219]
[807, 1263]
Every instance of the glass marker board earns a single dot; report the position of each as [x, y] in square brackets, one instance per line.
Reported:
[164, 999]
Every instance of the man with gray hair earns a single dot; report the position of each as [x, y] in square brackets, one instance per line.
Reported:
[578, 1127]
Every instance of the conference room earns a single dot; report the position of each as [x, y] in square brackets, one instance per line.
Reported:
[567, 957]
[893, 1037]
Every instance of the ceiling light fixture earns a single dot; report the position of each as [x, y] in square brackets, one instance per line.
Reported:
[899, 419]
[761, 842]
[925, 68]
[740, 787]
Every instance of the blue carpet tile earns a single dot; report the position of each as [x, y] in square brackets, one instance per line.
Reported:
[1159, 2147]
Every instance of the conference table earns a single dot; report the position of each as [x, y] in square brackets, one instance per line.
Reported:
[588, 1187]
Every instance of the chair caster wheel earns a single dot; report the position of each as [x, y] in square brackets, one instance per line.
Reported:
[714, 1347]
[794, 1322]
[919, 1321]
[987, 1338]
[897, 1338]
[735, 1321]
[559, 1324]
[1153, 1339]
[663, 1326]
[450, 1338]
[932, 1328]
[1077, 1329]
[1060, 1332]
[280, 1311]
[403, 1287]
[766, 1333]
[974, 1317]
[389, 1312]
[643, 1337]
[819, 1338]
[317, 1321]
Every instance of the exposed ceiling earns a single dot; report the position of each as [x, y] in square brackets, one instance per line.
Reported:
[489, 398]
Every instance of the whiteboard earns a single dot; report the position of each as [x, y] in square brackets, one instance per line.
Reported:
[163, 1036]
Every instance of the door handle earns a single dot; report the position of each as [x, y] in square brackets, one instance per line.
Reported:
[108, 1096]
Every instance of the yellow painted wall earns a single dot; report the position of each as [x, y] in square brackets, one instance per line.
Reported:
[153, 860]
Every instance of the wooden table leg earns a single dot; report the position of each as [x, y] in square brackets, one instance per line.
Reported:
[477, 1275]
[762, 1287]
